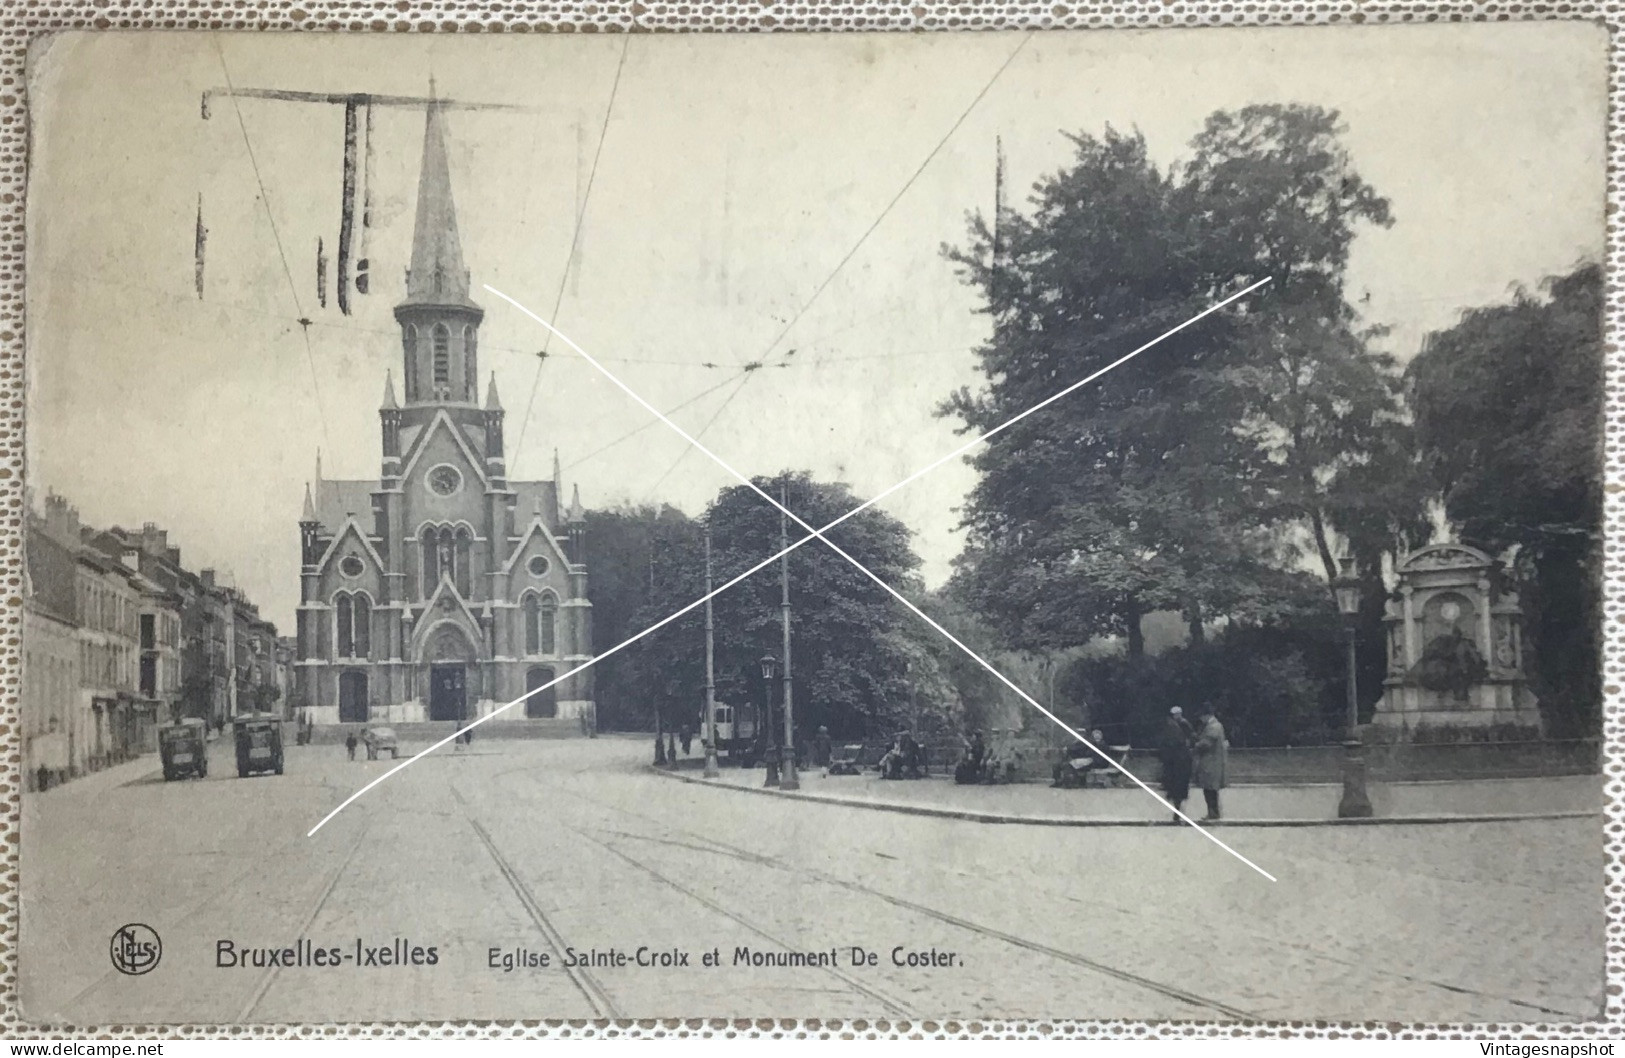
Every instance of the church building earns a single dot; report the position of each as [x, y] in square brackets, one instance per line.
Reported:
[441, 590]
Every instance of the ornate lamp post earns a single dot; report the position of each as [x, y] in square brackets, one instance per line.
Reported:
[1355, 803]
[789, 781]
[770, 666]
[711, 771]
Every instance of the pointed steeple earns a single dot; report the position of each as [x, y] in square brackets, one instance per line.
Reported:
[389, 392]
[319, 478]
[437, 275]
[558, 475]
[577, 513]
[310, 508]
[491, 401]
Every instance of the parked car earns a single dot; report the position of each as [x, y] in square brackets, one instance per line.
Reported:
[259, 743]
[379, 739]
[181, 746]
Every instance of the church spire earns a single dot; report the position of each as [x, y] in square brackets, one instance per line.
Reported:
[491, 401]
[389, 392]
[437, 275]
[309, 514]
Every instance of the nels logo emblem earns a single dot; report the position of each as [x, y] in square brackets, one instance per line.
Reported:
[135, 949]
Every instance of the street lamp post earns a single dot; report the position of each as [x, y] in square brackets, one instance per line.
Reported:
[770, 665]
[1355, 803]
[789, 781]
[711, 771]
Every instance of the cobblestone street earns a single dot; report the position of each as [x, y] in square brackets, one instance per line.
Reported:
[547, 846]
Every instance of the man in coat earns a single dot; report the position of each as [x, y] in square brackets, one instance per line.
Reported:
[1175, 753]
[1211, 754]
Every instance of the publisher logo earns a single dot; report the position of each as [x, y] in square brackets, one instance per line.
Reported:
[135, 949]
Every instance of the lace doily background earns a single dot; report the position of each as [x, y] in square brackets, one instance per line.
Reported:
[22, 21]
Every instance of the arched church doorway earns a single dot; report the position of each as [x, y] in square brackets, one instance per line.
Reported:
[353, 698]
[451, 657]
[543, 704]
[448, 692]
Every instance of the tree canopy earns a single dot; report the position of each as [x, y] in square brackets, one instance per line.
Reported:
[1190, 477]
[1509, 418]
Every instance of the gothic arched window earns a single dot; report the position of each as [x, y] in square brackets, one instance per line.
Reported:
[361, 636]
[549, 624]
[541, 624]
[346, 637]
[431, 561]
[442, 355]
[448, 554]
[533, 625]
[470, 366]
[465, 543]
[409, 344]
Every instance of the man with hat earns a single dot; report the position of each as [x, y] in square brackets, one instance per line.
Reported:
[1211, 754]
[1175, 754]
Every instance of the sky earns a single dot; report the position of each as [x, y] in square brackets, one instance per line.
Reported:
[743, 185]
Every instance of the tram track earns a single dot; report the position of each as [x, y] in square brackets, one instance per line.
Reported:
[1196, 1001]
[271, 974]
[892, 1004]
[597, 996]
[173, 922]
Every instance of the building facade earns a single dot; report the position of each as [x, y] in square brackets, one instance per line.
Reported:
[119, 638]
[441, 590]
[54, 715]
[159, 584]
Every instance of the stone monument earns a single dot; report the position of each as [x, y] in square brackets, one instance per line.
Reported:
[1455, 646]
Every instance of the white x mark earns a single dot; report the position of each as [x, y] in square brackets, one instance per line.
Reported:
[866, 571]
[819, 534]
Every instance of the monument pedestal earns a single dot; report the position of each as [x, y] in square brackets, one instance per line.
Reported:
[1455, 646]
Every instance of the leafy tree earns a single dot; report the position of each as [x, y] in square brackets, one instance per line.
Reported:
[857, 654]
[848, 648]
[1509, 417]
[1184, 478]
[1120, 499]
[631, 550]
[1325, 411]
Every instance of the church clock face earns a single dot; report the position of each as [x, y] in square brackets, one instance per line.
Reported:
[444, 480]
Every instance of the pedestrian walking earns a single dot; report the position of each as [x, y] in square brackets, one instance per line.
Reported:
[349, 744]
[1211, 755]
[688, 738]
[1175, 753]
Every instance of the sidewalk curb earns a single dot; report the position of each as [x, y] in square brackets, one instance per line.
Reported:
[1073, 821]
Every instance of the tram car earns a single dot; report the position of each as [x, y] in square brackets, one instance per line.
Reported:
[736, 733]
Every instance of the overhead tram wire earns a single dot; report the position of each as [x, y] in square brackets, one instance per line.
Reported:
[706, 392]
[743, 382]
[575, 241]
[276, 235]
[762, 360]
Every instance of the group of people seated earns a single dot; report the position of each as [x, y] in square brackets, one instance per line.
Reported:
[904, 760]
[1073, 770]
[983, 765]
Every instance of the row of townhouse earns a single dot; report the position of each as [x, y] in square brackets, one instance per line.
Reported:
[119, 638]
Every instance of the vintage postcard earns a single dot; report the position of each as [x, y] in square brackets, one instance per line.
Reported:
[955, 526]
